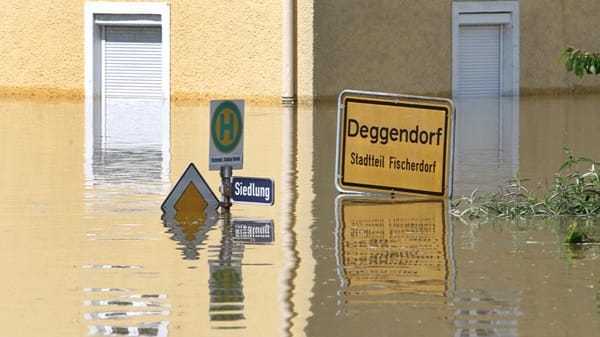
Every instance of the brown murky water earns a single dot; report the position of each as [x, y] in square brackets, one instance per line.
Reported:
[85, 251]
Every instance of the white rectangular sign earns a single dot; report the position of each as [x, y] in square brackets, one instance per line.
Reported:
[226, 134]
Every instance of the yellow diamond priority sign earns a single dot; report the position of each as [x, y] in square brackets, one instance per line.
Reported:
[394, 144]
[190, 195]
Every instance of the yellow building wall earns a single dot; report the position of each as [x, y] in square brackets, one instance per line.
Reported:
[222, 48]
[218, 49]
[305, 46]
[233, 48]
[547, 27]
[41, 43]
[393, 45]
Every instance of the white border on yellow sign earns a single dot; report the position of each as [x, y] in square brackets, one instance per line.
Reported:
[191, 176]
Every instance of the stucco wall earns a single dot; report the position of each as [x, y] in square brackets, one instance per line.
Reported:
[41, 45]
[405, 46]
[224, 48]
[388, 45]
[305, 44]
[546, 28]
[218, 48]
[233, 48]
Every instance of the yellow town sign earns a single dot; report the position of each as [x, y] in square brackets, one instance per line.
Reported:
[394, 144]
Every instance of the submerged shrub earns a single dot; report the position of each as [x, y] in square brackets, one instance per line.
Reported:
[574, 193]
[575, 234]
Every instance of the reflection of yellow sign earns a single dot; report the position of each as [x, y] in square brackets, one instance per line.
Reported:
[394, 144]
[388, 247]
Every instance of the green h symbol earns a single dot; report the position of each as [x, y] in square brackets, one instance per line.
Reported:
[227, 118]
[226, 126]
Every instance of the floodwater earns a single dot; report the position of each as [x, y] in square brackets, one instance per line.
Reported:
[85, 250]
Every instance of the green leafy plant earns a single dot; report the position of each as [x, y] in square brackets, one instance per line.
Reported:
[576, 234]
[580, 62]
[574, 193]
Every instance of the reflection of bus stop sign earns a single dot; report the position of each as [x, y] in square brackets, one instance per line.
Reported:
[226, 134]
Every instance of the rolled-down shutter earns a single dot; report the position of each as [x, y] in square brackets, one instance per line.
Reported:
[479, 60]
[133, 86]
[133, 62]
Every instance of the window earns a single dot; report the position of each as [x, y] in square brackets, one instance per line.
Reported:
[127, 74]
[485, 48]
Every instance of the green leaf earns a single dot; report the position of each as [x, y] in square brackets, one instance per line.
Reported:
[569, 63]
[565, 53]
[587, 63]
[579, 68]
[575, 234]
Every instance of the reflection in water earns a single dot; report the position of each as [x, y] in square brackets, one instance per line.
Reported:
[225, 263]
[120, 302]
[289, 223]
[388, 249]
[483, 313]
[127, 167]
[598, 301]
[119, 232]
[487, 142]
[511, 279]
[130, 309]
[127, 154]
[104, 315]
[225, 284]
[109, 266]
[125, 179]
[126, 171]
[158, 329]
[190, 232]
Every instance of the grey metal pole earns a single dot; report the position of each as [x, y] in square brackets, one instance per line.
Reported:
[226, 174]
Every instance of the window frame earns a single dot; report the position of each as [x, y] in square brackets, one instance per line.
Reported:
[93, 70]
[504, 13]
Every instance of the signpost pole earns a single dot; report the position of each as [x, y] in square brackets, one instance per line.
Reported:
[226, 173]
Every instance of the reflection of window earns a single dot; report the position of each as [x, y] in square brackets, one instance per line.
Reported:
[118, 311]
[126, 179]
[481, 312]
[140, 165]
[486, 149]
[485, 49]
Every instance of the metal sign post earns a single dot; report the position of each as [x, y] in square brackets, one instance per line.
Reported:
[226, 149]
[225, 173]
[226, 153]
